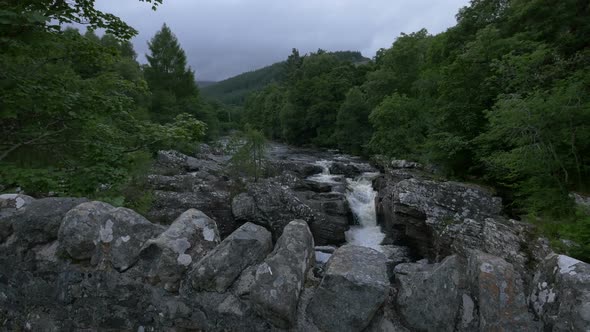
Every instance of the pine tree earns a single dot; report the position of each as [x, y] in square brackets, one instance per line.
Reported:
[171, 81]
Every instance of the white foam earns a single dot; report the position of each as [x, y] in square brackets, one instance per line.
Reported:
[361, 198]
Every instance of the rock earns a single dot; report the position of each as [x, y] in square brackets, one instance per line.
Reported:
[429, 296]
[348, 170]
[173, 163]
[395, 164]
[188, 239]
[334, 217]
[40, 220]
[303, 169]
[560, 294]
[438, 219]
[213, 200]
[395, 255]
[14, 201]
[10, 204]
[178, 183]
[246, 246]
[498, 290]
[353, 289]
[279, 279]
[270, 204]
[106, 234]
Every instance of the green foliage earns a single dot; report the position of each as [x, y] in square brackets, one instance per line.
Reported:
[73, 108]
[249, 153]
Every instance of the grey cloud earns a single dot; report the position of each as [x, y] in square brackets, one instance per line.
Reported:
[223, 38]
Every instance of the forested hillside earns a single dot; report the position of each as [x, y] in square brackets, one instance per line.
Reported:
[235, 90]
[502, 98]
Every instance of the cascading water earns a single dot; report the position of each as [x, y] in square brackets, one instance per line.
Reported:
[361, 199]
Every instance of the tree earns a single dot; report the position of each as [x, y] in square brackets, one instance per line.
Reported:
[170, 80]
[250, 156]
[353, 129]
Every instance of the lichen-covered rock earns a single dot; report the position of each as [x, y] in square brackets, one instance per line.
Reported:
[428, 296]
[106, 234]
[39, 221]
[248, 245]
[354, 287]
[560, 294]
[188, 239]
[14, 201]
[279, 280]
[497, 289]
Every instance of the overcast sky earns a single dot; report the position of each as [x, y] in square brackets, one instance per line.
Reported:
[223, 38]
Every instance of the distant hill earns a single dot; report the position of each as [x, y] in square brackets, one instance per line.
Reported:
[235, 90]
[203, 84]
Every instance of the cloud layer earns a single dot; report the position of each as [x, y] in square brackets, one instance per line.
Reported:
[223, 38]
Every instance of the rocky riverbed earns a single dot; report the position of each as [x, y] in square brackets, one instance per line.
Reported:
[326, 242]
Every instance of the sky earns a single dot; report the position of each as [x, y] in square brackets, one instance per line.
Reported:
[223, 38]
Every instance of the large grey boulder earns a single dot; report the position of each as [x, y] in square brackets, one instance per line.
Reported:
[334, 216]
[560, 294]
[106, 234]
[438, 219]
[40, 220]
[272, 205]
[279, 279]
[354, 287]
[428, 296]
[248, 245]
[498, 290]
[188, 239]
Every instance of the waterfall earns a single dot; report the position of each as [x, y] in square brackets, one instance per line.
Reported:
[361, 198]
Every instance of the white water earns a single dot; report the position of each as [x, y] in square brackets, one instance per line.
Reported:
[325, 176]
[361, 198]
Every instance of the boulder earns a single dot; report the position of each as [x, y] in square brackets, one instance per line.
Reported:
[428, 295]
[210, 198]
[498, 290]
[272, 205]
[11, 204]
[279, 280]
[106, 234]
[348, 170]
[354, 287]
[397, 164]
[40, 220]
[560, 294]
[438, 219]
[14, 201]
[246, 246]
[334, 216]
[188, 239]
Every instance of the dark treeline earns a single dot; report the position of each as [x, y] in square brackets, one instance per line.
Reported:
[503, 98]
[79, 115]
